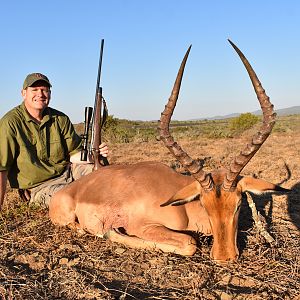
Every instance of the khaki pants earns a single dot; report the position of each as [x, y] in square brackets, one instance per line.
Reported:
[41, 194]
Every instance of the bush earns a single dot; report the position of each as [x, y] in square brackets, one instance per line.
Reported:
[243, 122]
[113, 131]
[123, 131]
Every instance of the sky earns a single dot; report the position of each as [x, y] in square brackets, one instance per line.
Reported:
[145, 42]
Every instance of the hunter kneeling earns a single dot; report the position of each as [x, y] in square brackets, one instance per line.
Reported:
[40, 150]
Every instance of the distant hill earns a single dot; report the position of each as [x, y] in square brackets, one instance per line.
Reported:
[293, 110]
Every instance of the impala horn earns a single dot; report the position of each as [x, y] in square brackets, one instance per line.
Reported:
[187, 162]
[269, 116]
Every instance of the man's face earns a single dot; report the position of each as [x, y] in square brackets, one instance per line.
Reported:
[37, 96]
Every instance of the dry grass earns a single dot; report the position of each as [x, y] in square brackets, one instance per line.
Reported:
[41, 261]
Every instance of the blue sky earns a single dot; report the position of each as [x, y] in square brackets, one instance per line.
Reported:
[144, 44]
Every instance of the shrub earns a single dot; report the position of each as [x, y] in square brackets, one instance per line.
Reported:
[243, 122]
[113, 131]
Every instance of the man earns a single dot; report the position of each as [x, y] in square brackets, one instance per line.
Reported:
[39, 148]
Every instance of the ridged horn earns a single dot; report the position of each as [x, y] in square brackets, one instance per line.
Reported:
[187, 162]
[269, 116]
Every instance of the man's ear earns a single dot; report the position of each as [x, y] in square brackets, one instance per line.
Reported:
[23, 93]
[185, 195]
[259, 186]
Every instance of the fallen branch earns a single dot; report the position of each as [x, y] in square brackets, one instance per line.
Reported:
[257, 220]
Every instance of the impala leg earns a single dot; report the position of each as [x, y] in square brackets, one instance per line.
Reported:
[156, 237]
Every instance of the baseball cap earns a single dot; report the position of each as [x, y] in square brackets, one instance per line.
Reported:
[34, 77]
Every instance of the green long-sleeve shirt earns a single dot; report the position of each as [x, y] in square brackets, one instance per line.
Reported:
[33, 153]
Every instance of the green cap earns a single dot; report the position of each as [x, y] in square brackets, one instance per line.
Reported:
[34, 77]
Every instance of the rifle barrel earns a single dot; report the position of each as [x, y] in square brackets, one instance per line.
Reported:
[100, 66]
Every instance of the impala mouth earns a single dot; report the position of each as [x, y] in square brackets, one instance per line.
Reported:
[226, 262]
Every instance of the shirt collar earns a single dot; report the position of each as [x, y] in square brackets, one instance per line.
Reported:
[46, 114]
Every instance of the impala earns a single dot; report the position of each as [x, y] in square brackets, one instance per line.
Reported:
[149, 205]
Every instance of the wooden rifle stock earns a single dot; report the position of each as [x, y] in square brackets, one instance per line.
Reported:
[97, 129]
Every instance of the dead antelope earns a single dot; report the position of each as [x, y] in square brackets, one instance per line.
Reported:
[149, 205]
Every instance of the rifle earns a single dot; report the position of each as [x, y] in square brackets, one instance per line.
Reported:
[97, 123]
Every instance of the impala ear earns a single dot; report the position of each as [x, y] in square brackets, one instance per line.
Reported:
[259, 186]
[187, 194]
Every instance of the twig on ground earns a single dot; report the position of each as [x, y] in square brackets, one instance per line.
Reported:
[256, 217]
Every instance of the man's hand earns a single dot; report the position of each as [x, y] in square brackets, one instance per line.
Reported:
[75, 158]
[104, 150]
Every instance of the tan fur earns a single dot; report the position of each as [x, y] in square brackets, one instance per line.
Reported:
[129, 197]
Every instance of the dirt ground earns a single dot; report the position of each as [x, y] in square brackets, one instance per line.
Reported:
[41, 261]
